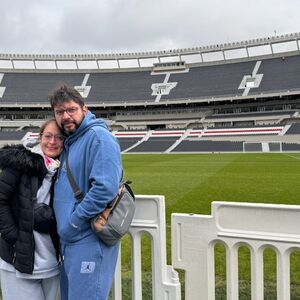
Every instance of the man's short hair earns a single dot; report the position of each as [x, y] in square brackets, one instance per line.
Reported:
[64, 94]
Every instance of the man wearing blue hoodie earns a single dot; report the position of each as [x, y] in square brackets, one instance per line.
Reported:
[94, 157]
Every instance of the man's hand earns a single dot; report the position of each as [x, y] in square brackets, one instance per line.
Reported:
[100, 220]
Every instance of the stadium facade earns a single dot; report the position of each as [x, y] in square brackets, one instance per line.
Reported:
[225, 92]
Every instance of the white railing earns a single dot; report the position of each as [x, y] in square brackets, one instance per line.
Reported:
[149, 218]
[257, 226]
[234, 224]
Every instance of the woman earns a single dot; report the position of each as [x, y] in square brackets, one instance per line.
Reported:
[29, 265]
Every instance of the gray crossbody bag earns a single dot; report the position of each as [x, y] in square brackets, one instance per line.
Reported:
[115, 220]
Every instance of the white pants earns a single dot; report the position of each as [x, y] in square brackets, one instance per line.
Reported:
[28, 289]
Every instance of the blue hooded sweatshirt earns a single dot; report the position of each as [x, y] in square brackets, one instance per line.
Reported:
[95, 162]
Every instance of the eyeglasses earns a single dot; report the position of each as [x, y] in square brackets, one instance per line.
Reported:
[70, 111]
[50, 136]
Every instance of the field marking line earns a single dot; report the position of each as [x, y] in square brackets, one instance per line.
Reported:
[292, 156]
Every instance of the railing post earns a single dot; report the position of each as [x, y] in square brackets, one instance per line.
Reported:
[283, 275]
[232, 273]
[257, 273]
[136, 267]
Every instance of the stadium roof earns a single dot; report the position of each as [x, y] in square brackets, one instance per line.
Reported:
[220, 52]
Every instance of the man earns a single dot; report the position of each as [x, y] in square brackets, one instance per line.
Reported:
[94, 157]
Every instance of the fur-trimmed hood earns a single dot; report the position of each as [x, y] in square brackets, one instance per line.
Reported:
[19, 158]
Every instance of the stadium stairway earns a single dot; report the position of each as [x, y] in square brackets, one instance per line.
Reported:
[284, 130]
[186, 134]
[145, 138]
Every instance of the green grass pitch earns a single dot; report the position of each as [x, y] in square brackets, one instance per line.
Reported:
[190, 182]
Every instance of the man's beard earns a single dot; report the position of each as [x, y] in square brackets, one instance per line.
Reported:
[69, 132]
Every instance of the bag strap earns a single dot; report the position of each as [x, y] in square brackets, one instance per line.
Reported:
[51, 191]
[34, 188]
[77, 192]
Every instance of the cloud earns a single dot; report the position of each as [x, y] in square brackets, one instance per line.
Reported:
[108, 26]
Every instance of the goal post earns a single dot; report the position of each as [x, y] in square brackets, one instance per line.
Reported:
[274, 146]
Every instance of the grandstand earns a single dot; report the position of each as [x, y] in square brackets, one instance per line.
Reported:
[202, 99]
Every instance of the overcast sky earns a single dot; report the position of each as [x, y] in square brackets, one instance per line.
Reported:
[114, 26]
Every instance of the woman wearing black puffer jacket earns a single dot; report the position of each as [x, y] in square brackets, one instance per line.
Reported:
[29, 265]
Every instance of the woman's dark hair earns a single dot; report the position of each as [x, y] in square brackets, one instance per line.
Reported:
[65, 94]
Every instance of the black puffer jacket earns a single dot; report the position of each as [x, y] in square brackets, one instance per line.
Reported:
[18, 165]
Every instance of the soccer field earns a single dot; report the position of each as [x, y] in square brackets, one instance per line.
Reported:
[190, 182]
